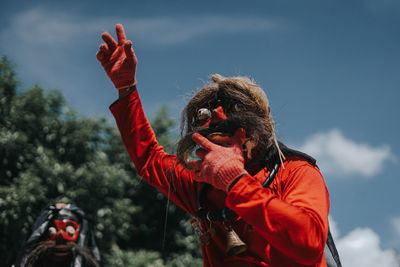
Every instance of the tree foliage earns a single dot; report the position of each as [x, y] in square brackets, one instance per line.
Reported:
[50, 154]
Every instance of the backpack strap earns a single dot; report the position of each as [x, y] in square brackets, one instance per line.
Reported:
[331, 253]
[271, 175]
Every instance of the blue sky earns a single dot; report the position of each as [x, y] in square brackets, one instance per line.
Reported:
[330, 70]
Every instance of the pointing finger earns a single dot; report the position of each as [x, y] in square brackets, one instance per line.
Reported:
[202, 141]
[112, 44]
[120, 34]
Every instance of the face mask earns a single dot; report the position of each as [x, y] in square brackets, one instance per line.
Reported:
[66, 229]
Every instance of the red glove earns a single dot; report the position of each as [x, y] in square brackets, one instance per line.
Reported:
[220, 165]
[118, 59]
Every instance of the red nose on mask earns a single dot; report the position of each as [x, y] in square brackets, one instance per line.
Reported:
[217, 116]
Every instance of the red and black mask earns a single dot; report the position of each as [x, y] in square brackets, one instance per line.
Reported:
[218, 122]
[60, 236]
[64, 230]
[64, 227]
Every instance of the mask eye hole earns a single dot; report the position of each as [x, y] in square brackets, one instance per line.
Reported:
[70, 230]
[52, 231]
[203, 114]
[237, 107]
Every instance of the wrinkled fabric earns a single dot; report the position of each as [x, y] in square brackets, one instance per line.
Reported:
[283, 225]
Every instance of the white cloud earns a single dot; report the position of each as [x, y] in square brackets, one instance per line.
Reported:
[168, 31]
[395, 238]
[396, 226]
[361, 247]
[39, 26]
[56, 48]
[395, 223]
[340, 156]
[43, 26]
[333, 228]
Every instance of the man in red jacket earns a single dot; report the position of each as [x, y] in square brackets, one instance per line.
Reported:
[245, 185]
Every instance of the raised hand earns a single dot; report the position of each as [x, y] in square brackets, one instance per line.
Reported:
[118, 59]
[220, 165]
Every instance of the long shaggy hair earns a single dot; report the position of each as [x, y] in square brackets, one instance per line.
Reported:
[41, 249]
[246, 106]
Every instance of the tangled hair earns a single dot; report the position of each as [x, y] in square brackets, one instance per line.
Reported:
[246, 106]
[41, 249]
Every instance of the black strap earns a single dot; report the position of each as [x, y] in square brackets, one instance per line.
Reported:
[271, 175]
[331, 253]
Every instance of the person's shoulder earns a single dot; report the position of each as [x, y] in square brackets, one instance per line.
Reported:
[298, 171]
[295, 163]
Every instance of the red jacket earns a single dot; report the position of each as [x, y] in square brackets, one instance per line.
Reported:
[283, 225]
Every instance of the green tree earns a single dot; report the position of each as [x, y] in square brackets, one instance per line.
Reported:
[49, 154]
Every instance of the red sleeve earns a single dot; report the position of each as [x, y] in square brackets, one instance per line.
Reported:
[292, 215]
[152, 163]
